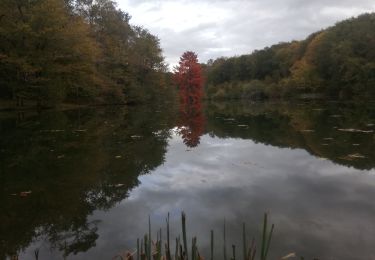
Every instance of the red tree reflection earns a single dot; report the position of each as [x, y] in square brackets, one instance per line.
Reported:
[188, 76]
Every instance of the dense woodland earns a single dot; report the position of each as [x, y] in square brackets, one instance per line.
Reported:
[338, 62]
[86, 51]
[67, 50]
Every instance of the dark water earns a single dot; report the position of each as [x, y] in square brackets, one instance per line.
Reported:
[81, 183]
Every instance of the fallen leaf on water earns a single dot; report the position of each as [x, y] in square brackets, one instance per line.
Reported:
[118, 156]
[357, 155]
[25, 193]
[352, 130]
[53, 130]
[291, 255]
[307, 130]
[351, 157]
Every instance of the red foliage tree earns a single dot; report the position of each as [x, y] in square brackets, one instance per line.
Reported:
[188, 77]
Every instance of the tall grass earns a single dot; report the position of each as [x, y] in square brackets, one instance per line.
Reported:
[153, 250]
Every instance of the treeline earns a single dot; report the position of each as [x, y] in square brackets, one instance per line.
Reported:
[54, 51]
[337, 62]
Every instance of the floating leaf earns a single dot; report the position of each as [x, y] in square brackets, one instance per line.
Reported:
[291, 255]
[25, 193]
[352, 130]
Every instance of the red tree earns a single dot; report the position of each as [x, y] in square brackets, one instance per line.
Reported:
[188, 77]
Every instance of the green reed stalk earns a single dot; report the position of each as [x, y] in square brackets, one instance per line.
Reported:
[212, 245]
[36, 253]
[269, 242]
[168, 249]
[177, 247]
[149, 237]
[244, 241]
[183, 217]
[147, 248]
[234, 252]
[225, 244]
[193, 248]
[266, 238]
[137, 248]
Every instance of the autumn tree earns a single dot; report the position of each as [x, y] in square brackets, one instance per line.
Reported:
[188, 77]
[337, 62]
[55, 51]
[46, 53]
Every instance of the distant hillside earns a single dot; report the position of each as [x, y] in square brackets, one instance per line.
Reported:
[338, 62]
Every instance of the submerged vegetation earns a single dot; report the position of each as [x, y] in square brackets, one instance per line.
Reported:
[148, 249]
[338, 62]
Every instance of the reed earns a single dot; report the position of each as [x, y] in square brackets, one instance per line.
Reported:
[147, 249]
[212, 245]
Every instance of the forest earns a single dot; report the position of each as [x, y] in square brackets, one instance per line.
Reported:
[338, 63]
[87, 52]
[54, 51]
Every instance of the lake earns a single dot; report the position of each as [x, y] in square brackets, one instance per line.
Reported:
[81, 183]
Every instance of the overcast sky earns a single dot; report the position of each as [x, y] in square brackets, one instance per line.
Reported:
[214, 28]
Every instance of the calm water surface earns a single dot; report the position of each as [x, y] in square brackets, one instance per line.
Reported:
[81, 183]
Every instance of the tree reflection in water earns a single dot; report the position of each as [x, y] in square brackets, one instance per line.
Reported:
[56, 168]
[191, 123]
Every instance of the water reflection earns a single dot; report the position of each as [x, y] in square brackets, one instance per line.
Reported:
[91, 194]
[342, 133]
[72, 163]
[191, 123]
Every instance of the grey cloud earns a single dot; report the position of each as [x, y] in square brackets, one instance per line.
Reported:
[311, 201]
[308, 206]
[250, 24]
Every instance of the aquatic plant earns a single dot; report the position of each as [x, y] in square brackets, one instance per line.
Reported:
[147, 249]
